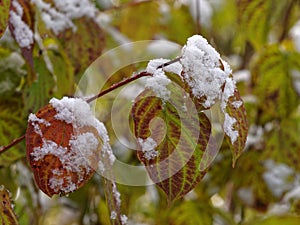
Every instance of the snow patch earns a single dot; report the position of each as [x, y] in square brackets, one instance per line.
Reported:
[209, 76]
[35, 122]
[59, 17]
[148, 147]
[22, 32]
[277, 177]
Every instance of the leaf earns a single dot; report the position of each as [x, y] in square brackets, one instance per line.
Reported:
[63, 72]
[39, 89]
[58, 167]
[191, 213]
[21, 25]
[277, 220]
[4, 15]
[135, 17]
[273, 84]
[171, 142]
[254, 20]
[237, 112]
[11, 127]
[84, 45]
[7, 214]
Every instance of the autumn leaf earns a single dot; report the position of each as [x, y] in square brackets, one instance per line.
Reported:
[63, 145]
[7, 214]
[21, 25]
[91, 35]
[236, 110]
[171, 142]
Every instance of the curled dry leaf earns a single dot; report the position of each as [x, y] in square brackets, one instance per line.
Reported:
[63, 146]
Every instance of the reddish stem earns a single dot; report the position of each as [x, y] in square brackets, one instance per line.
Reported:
[14, 142]
[119, 84]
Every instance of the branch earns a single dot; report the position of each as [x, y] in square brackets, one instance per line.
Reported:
[14, 142]
[120, 84]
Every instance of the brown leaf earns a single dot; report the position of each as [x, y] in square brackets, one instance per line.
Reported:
[58, 167]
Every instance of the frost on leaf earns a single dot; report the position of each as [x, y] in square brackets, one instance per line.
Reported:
[64, 143]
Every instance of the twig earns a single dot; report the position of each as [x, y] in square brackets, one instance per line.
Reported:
[14, 142]
[168, 63]
[120, 84]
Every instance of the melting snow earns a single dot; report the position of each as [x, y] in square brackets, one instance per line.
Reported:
[148, 148]
[22, 33]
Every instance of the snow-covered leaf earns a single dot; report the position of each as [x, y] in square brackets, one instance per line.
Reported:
[64, 161]
[4, 15]
[236, 110]
[21, 25]
[171, 142]
[7, 214]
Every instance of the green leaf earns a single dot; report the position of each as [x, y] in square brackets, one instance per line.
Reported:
[4, 15]
[241, 125]
[180, 138]
[135, 22]
[254, 17]
[191, 213]
[277, 220]
[83, 46]
[7, 214]
[12, 125]
[40, 89]
[273, 83]
[63, 72]
[283, 144]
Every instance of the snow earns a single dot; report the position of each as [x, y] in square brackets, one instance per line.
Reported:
[22, 33]
[206, 74]
[246, 195]
[59, 18]
[229, 129]
[35, 122]
[277, 177]
[237, 104]
[175, 67]
[124, 219]
[242, 75]
[202, 72]
[81, 149]
[113, 215]
[148, 148]
[295, 34]
[159, 81]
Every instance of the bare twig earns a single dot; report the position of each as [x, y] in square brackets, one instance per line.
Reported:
[14, 142]
[120, 84]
